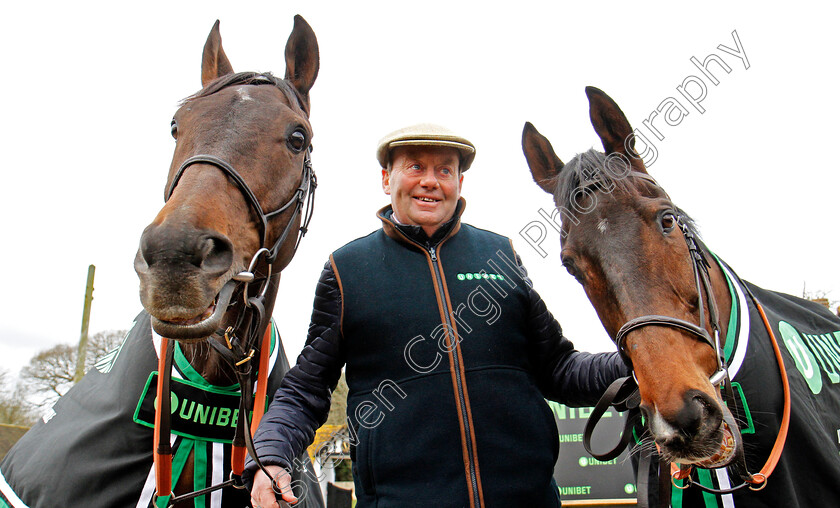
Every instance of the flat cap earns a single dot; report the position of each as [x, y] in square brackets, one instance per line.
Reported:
[425, 134]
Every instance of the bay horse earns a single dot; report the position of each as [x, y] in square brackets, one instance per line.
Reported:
[737, 385]
[238, 198]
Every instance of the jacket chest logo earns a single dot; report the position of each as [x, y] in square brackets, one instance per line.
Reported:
[480, 276]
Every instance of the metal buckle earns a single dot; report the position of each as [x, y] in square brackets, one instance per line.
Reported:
[761, 484]
[247, 276]
[674, 480]
[237, 481]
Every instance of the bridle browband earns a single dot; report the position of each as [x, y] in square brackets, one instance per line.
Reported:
[623, 394]
[236, 351]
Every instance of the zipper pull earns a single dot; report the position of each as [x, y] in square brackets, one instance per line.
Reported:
[432, 253]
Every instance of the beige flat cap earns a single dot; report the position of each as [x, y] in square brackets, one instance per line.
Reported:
[425, 134]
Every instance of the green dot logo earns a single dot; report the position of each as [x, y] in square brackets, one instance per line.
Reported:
[630, 488]
[484, 276]
[501, 278]
[477, 275]
[469, 276]
[461, 276]
[583, 462]
[493, 276]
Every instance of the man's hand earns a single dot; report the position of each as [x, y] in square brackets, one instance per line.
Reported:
[262, 495]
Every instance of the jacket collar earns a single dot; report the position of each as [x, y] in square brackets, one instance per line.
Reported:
[414, 234]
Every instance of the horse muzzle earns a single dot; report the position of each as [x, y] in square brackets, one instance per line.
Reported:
[185, 280]
[703, 432]
[201, 326]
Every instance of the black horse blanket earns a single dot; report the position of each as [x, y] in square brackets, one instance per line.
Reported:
[808, 474]
[94, 448]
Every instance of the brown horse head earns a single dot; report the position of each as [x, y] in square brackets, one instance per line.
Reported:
[240, 154]
[621, 239]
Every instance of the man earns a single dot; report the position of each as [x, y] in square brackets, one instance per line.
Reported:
[449, 353]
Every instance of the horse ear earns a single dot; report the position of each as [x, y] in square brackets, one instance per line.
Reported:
[302, 58]
[610, 124]
[214, 62]
[544, 163]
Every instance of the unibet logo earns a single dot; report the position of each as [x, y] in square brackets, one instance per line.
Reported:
[589, 461]
[812, 353]
[480, 276]
[190, 410]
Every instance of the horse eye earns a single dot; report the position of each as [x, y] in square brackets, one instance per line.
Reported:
[569, 265]
[297, 141]
[668, 221]
[173, 126]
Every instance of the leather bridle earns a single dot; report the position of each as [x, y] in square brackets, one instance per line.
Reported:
[237, 350]
[623, 394]
[703, 284]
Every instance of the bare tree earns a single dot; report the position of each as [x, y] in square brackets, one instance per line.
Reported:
[50, 372]
[821, 297]
[14, 409]
[101, 344]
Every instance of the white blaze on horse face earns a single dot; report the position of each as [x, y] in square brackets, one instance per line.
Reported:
[602, 226]
[661, 429]
[243, 94]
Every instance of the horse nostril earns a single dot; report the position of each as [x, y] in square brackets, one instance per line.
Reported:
[151, 248]
[170, 246]
[699, 410]
[216, 254]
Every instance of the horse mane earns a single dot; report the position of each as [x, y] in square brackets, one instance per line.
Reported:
[587, 169]
[249, 78]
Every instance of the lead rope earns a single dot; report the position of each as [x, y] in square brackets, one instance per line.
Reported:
[161, 444]
[246, 404]
[781, 437]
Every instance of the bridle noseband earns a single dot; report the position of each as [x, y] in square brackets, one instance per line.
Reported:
[304, 193]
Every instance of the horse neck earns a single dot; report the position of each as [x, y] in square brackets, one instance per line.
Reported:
[208, 362]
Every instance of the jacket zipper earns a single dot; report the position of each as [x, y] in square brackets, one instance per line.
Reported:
[459, 381]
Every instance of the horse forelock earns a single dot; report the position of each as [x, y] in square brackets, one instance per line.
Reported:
[252, 78]
[587, 170]
[586, 173]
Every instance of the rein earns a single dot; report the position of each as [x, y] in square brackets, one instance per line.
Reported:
[237, 351]
[623, 394]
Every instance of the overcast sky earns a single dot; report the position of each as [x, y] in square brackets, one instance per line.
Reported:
[89, 90]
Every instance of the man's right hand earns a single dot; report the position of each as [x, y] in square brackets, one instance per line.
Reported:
[262, 495]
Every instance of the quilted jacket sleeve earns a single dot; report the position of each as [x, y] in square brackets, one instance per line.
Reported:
[568, 376]
[302, 403]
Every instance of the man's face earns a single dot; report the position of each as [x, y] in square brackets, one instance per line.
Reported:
[424, 185]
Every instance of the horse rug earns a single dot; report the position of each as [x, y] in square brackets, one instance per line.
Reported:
[808, 474]
[94, 447]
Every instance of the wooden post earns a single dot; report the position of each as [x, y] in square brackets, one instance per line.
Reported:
[83, 340]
